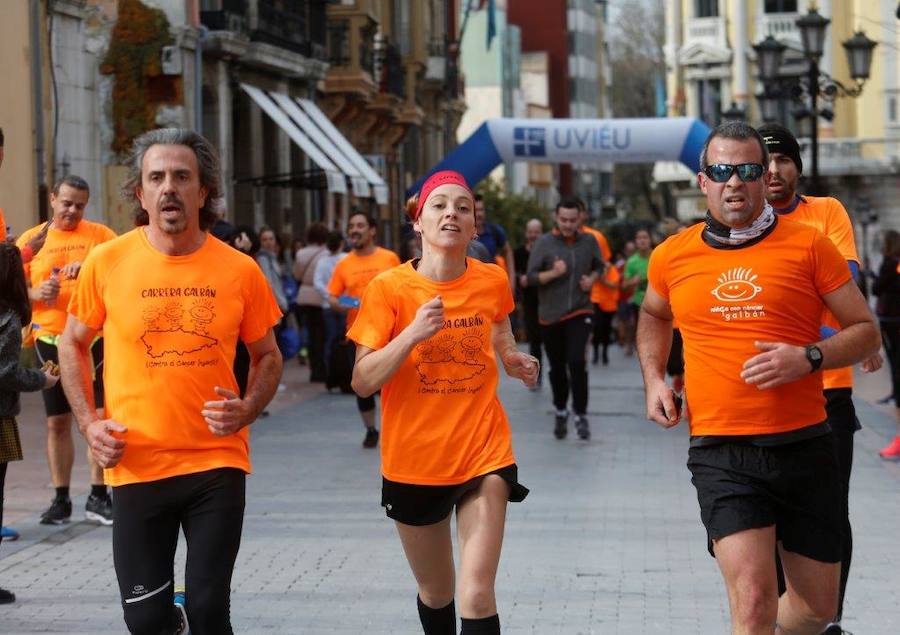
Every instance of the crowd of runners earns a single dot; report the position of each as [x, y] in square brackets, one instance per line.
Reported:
[746, 323]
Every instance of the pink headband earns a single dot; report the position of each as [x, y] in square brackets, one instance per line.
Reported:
[444, 177]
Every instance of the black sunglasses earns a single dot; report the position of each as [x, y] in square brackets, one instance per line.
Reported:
[721, 172]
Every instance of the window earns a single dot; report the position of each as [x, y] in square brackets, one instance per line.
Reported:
[892, 109]
[707, 8]
[709, 96]
[781, 6]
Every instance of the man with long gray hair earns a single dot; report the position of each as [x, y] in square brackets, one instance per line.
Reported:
[172, 304]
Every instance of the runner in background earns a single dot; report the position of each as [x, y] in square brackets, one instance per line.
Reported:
[528, 294]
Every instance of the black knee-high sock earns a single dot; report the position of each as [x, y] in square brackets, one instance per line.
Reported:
[437, 621]
[482, 626]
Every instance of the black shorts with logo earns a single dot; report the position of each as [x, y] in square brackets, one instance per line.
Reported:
[421, 505]
[55, 402]
[794, 486]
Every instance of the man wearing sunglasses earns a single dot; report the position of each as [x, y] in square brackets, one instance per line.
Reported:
[828, 216]
[748, 290]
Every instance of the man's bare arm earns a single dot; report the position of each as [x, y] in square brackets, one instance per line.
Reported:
[654, 339]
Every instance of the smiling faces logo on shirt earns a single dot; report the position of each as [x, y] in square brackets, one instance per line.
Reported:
[737, 285]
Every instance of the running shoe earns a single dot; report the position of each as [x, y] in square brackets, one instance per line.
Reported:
[559, 427]
[99, 509]
[8, 533]
[181, 627]
[582, 427]
[59, 512]
[371, 439]
[7, 597]
[892, 451]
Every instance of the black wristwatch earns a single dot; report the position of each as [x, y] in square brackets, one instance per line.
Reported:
[814, 357]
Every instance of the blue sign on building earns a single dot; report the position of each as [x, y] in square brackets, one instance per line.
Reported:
[530, 142]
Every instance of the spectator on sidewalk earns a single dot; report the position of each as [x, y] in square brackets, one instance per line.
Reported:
[309, 300]
[15, 311]
[887, 288]
[334, 322]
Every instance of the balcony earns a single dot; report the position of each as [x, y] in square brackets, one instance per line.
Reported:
[709, 32]
[781, 26]
[231, 17]
[300, 29]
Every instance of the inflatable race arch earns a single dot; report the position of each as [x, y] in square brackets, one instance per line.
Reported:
[576, 141]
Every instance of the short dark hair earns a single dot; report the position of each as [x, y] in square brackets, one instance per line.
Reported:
[72, 181]
[479, 197]
[208, 167]
[316, 234]
[739, 130]
[13, 288]
[579, 203]
[334, 240]
[569, 203]
[370, 220]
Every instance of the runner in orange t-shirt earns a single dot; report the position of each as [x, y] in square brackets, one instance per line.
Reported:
[172, 301]
[605, 296]
[52, 275]
[748, 290]
[426, 335]
[348, 283]
[828, 216]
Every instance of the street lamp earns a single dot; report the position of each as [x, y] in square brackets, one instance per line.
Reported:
[816, 84]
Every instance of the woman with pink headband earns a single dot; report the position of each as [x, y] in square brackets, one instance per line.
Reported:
[429, 335]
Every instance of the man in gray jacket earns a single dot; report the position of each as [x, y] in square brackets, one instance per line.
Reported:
[563, 265]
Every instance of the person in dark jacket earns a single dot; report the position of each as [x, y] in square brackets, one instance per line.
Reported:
[15, 311]
[887, 288]
[563, 266]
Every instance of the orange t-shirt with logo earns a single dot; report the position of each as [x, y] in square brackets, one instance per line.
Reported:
[60, 249]
[354, 273]
[828, 216]
[604, 296]
[170, 326]
[442, 422]
[725, 300]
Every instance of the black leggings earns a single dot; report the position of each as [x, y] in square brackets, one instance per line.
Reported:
[602, 328]
[890, 336]
[2, 485]
[565, 343]
[209, 508]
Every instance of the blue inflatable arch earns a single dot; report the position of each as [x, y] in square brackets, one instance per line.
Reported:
[579, 141]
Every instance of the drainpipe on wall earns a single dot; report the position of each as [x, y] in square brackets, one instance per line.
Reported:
[198, 78]
[38, 114]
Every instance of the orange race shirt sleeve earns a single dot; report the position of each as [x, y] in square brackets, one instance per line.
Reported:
[86, 303]
[375, 321]
[507, 303]
[265, 312]
[336, 285]
[657, 269]
[831, 267]
[2, 226]
[840, 231]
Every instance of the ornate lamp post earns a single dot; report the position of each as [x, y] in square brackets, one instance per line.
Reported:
[807, 90]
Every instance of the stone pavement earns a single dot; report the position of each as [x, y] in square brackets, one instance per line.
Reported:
[609, 541]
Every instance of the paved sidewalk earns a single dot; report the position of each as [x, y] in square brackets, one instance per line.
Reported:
[609, 541]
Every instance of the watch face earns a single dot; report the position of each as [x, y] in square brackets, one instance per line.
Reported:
[814, 353]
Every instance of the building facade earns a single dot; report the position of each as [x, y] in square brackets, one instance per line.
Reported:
[711, 65]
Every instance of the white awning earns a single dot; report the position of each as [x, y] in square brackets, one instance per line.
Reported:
[322, 121]
[319, 139]
[335, 178]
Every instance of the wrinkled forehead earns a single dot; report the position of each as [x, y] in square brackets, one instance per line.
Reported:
[169, 157]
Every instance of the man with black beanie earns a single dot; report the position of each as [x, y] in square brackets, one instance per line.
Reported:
[826, 214]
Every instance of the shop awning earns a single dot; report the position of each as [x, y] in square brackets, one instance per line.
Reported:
[319, 139]
[335, 178]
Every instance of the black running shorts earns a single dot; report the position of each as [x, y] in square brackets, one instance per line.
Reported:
[420, 505]
[793, 486]
[55, 402]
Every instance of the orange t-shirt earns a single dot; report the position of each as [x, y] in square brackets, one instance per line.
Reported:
[354, 273]
[442, 422]
[170, 326]
[60, 249]
[724, 300]
[598, 290]
[2, 226]
[828, 216]
[607, 298]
